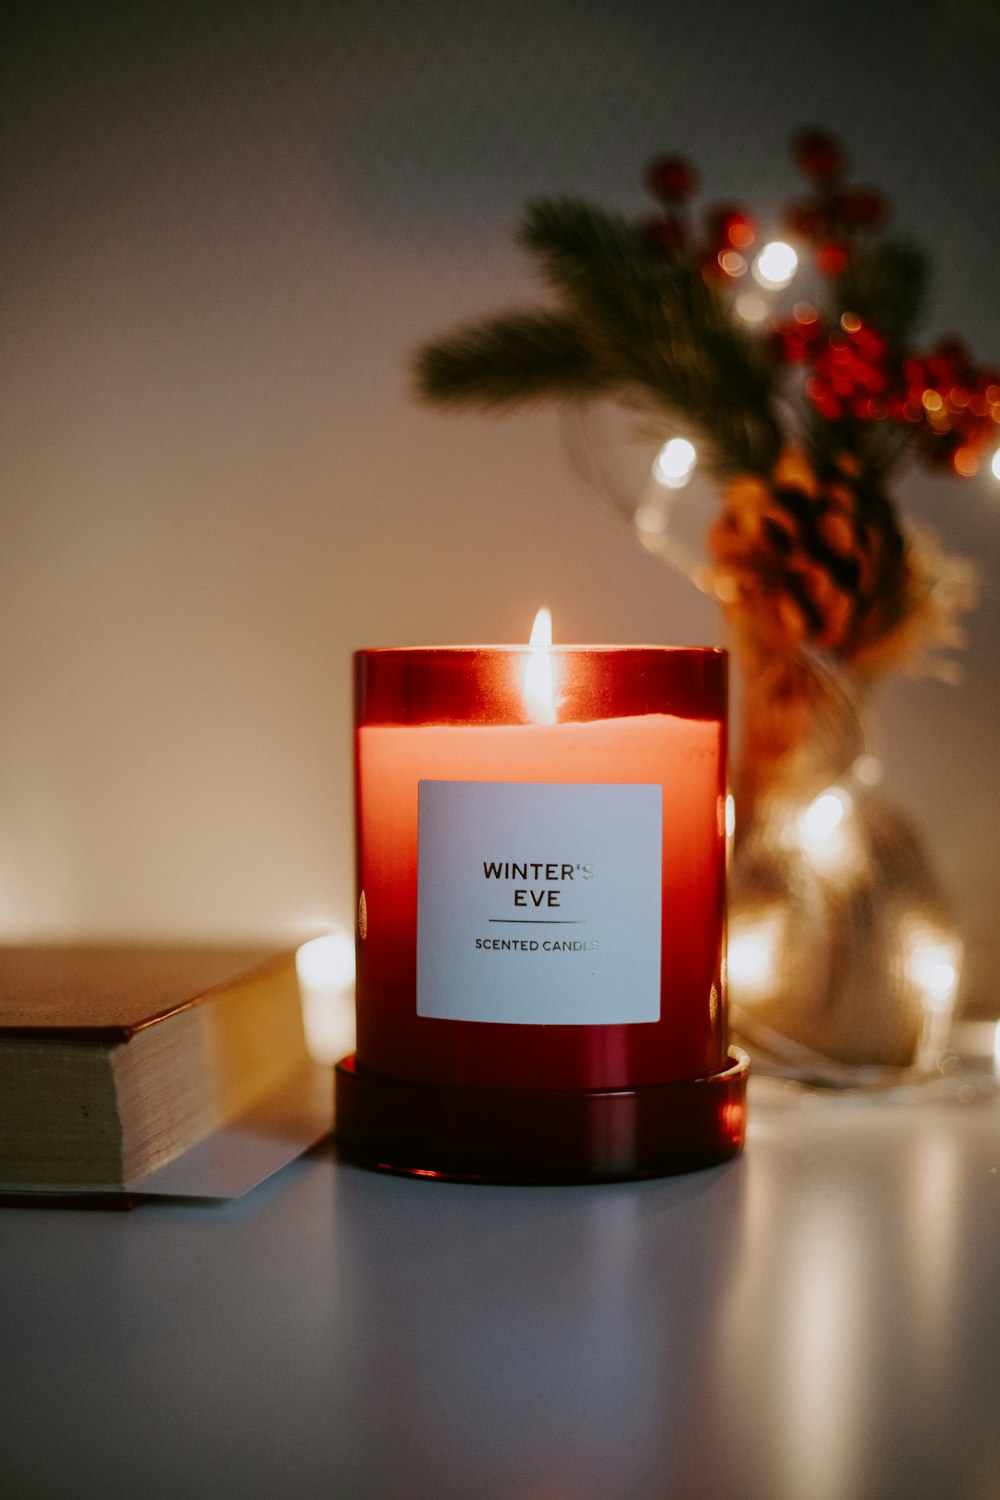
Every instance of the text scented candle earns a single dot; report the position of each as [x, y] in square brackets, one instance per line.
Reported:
[541, 914]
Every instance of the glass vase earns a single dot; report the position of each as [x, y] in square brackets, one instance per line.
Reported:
[844, 961]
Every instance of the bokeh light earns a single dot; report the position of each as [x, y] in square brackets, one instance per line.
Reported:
[775, 265]
[673, 464]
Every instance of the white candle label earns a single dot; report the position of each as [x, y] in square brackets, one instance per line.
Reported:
[538, 903]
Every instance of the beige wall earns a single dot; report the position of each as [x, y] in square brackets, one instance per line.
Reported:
[224, 238]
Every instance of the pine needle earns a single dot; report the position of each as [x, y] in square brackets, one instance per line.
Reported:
[507, 361]
[631, 322]
[886, 285]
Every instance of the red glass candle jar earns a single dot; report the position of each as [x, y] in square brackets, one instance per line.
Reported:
[541, 914]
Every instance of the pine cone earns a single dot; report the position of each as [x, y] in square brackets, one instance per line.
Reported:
[809, 557]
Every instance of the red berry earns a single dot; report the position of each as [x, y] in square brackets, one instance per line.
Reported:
[871, 346]
[729, 228]
[671, 178]
[819, 156]
[799, 339]
[832, 258]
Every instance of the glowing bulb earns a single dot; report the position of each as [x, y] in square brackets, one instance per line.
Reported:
[650, 520]
[674, 462]
[933, 959]
[326, 963]
[826, 833]
[995, 465]
[325, 970]
[732, 263]
[868, 770]
[751, 307]
[825, 814]
[775, 265]
[753, 963]
[539, 673]
[730, 815]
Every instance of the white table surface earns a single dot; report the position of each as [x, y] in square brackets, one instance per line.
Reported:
[820, 1319]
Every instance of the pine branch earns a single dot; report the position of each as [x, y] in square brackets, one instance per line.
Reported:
[877, 447]
[659, 328]
[634, 324]
[886, 285]
[580, 247]
[507, 361]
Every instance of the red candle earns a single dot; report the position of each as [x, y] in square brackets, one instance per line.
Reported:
[541, 877]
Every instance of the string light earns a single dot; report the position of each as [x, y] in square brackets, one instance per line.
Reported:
[751, 307]
[933, 958]
[754, 957]
[730, 815]
[775, 265]
[327, 962]
[674, 463]
[826, 832]
[325, 970]
[932, 963]
[868, 770]
[732, 263]
[651, 520]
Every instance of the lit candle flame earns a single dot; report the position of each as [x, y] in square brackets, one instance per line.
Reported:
[541, 630]
[539, 674]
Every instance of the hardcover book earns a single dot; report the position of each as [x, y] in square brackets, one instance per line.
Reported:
[116, 1060]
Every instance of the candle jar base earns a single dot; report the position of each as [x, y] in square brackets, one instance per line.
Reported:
[541, 1135]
